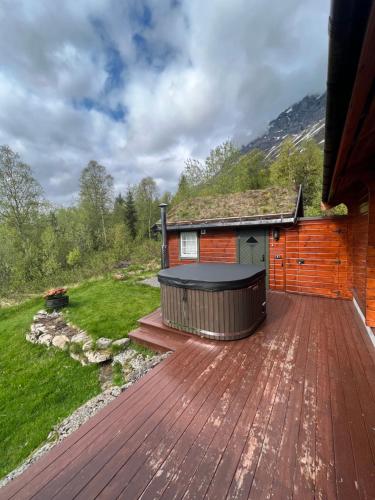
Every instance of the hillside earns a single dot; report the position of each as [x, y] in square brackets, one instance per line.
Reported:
[304, 119]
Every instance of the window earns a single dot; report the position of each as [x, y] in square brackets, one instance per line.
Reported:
[189, 245]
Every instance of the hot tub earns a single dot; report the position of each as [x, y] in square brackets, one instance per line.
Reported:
[217, 301]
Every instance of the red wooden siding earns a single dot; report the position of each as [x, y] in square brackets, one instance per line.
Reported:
[214, 246]
[338, 254]
[323, 246]
[277, 265]
[370, 284]
[358, 237]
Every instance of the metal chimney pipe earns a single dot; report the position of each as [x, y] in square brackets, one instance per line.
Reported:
[164, 237]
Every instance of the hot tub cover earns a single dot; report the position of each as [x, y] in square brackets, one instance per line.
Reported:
[212, 277]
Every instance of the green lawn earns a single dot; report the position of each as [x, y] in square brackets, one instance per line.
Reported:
[39, 386]
[108, 308]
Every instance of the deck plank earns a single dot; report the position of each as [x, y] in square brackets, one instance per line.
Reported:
[288, 412]
[107, 430]
[235, 471]
[194, 456]
[363, 458]
[282, 480]
[94, 462]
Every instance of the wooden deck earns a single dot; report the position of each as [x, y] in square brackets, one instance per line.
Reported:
[288, 412]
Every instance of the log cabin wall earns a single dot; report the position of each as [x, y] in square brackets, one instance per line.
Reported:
[214, 246]
[321, 243]
[370, 263]
[277, 251]
[358, 210]
[315, 258]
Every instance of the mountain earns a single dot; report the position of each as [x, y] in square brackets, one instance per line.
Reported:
[304, 119]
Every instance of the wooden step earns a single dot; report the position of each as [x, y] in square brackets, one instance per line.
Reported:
[154, 322]
[158, 341]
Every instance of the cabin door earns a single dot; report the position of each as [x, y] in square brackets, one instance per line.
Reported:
[252, 247]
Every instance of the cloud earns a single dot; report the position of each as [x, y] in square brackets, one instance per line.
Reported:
[142, 85]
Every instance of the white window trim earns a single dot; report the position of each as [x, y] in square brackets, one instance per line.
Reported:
[193, 253]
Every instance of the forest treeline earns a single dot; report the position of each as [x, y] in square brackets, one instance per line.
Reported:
[43, 245]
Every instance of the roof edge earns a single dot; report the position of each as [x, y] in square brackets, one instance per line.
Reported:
[347, 27]
[232, 224]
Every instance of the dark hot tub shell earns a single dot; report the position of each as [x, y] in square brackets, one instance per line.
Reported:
[217, 301]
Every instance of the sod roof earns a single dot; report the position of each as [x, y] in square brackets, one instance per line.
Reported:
[260, 202]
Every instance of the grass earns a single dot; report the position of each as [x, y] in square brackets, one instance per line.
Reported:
[108, 308]
[117, 375]
[39, 386]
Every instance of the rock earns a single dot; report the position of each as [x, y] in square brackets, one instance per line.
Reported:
[38, 328]
[40, 315]
[103, 343]
[87, 346]
[124, 357]
[153, 281]
[121, 342]
[31, 337]
[45, 339]
[118, 277]
[60, 341]
[98, 356]
[115, 391]
[80, 338]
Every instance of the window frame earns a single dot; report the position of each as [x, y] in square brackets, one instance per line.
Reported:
[189, 257]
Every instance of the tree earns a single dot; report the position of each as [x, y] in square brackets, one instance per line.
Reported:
[146, 204]
[119, 210]
[96, 194]
[194, 172]
[183, 190]
[295, 165]
[220, 159]
[20, 193]
[130, 214]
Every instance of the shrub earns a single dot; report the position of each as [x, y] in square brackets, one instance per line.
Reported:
[74, 257]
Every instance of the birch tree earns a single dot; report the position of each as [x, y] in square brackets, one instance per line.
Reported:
[96, 197]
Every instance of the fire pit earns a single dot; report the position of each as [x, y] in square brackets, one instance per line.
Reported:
[217, 301]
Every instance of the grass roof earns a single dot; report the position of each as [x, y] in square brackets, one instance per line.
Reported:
[258, 202]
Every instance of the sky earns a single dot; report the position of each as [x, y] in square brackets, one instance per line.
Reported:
[142, 85]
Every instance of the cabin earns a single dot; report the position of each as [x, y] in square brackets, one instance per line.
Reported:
[237, 227]
[287, 411]
[264, 228]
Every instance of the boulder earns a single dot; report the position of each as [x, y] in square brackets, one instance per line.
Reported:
[98, 356]
[119, 277]
[60, 341]
[87, 346]
[80, 338]
[103, 343]
[124, 357]
[121, 342]
[45, 339]
[38, 328]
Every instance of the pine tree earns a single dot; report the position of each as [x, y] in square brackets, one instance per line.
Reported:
[119, 209]
[130, 214]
